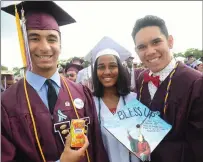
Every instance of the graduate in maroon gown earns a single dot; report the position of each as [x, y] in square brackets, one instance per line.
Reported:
[7, 79]
[173, 89]
[36, 111]
[71, 71]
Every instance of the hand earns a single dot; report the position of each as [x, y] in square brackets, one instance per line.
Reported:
[70, 155]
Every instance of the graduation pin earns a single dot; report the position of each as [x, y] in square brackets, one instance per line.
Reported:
[67, 103]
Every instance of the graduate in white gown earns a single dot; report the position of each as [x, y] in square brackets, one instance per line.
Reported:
[111, 92]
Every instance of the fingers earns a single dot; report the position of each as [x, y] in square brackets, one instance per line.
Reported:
[68, 141]
[85, 146]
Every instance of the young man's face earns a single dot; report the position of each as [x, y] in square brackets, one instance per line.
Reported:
[153, 48]
[191, 60]
[129, 62]
[44, 49]
[71, 75]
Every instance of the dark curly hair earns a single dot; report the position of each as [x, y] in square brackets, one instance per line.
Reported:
[147, 21]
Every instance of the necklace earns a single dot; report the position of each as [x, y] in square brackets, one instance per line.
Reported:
[33, 120]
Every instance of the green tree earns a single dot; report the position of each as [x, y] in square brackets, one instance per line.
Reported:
[4, 67]
[16, 70]
[180, 54]
[193, 51]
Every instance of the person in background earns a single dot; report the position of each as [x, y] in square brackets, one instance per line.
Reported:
[189, 60]
[198, 65]
[77, 60]
[111, 93]
[7, 79]
[131, 72]
[173, 89]
[71, 71]
[32, 109]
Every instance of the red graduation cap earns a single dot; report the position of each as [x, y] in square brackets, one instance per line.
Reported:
[42, 15]
[73, 67]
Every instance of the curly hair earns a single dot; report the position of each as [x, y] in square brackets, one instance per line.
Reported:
[147, 21]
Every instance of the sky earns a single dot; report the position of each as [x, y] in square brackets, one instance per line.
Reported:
[96, 19]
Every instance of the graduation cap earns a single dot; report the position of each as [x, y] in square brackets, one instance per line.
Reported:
[107, 43]
[36, 15]
[42, 15]
[73, 67]
[77, 60]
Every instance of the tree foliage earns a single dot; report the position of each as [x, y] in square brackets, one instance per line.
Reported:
[4, 67]
[191, 51]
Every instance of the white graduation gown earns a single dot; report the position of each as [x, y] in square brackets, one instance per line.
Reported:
[116, 151]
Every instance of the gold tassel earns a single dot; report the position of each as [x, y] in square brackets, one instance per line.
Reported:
[21, 40]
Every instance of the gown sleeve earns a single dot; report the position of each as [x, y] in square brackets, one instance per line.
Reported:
[8, 151]
[194, 134]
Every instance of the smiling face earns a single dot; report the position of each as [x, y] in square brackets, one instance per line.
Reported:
[44, 49]
[71, 75]
[107, 70]
[153, 48]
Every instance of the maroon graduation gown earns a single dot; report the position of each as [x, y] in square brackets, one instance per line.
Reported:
[184, 143]
[137, 73]
[17, 134]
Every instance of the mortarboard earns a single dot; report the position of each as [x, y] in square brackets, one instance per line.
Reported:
[106, 52]
[42, 15]
[36, 15]
[105, 43]
[73, 67]
[77, 59]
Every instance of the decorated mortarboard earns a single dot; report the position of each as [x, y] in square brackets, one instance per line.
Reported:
[107, 43]
[73, 67]
[36, 15]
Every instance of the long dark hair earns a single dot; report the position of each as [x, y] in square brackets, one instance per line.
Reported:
[122, 84]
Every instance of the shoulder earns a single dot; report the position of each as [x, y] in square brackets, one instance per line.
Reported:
[184, 70]
[186, 75]
[130, 96]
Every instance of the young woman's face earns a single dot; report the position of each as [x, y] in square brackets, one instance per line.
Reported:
[107, 70]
